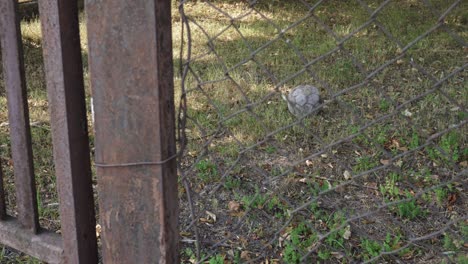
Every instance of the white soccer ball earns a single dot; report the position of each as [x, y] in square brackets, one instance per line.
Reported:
[303, 100]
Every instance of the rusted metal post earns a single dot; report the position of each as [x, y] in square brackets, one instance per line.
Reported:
[18, 115]
[2, 195]
[64, 74]
[130, 57]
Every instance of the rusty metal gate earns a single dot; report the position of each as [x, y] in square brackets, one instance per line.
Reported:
[131, 67]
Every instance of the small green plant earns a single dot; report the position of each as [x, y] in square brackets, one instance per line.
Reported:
[232, 183]
[270, 149]
[275, 206]
[324, 254]
[335, 238]
[301, 237]
[390, 188]
[237, 257]
[218, 259]
[370, 248]
[441, 195]
[364, 163]
[414, 142]
[2, 254]
[206, 171]
[257, 200]
[449, 143]
[464, 230]
[409, 209]
[290, 254]
[382, 135]
[359, 139]
[448, 243]
[462, 259]
[187, 253]
[384, 105]
[391, 243]
[448, 149]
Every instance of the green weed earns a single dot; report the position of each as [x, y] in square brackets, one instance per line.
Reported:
[301, 237]
[409, 209]
[364, 163]
[448, 150]
[414, 142]
[218, 259]
[207, 171]
[257, 200]
[448, 243]
[384, 105]
[232, 183]
[270, 149]
[390, 188]
[441, 195]
[370, 248]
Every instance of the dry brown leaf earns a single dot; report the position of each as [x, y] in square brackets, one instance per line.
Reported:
[452, 198]
[408, 255]
[403, 148]
[399, 163]
[347, 175]
[367, 222]
[234, 206]
[385, 162]
[237, 214]
[185, 234]
[206, 220]
[347, 232]
[98, 230]
[407, 113]
[337, 255]
[211, 215]
[245, 255]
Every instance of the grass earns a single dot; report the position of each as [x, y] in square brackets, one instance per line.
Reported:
[260, 158]
[206, 170]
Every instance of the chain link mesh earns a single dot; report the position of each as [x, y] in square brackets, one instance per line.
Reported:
[376, 173]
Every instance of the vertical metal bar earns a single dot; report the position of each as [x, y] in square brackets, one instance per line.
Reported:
[64, 74]
[18, 115]
[130, 56]
[2, 195]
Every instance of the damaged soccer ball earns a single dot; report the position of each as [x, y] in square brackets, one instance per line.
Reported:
[303, 100]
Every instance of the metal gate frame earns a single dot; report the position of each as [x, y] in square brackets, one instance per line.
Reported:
[135, 143]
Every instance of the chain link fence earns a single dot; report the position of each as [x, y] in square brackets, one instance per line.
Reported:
[374, 173]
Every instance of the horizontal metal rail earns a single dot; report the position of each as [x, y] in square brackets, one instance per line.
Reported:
[44, 245]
